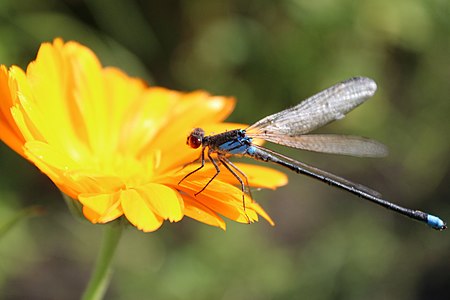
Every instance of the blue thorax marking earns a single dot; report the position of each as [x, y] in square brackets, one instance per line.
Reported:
[238, 145]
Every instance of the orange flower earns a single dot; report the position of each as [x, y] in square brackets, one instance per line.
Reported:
[118, 146]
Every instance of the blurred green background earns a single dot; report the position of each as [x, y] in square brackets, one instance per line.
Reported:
[327, 244]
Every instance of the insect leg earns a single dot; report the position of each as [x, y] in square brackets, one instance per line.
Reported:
[215, 175]
[203, 164]
[228, 164]
[226, 161]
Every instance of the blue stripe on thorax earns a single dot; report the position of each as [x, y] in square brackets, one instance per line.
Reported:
[236, 146]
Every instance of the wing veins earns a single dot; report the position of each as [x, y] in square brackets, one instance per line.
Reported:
[318, 110]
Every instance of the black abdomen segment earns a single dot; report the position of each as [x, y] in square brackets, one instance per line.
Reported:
[430, 220]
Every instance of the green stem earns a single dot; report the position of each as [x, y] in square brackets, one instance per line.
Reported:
[102, 272]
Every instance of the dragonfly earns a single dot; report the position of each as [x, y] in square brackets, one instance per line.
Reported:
[291, 127]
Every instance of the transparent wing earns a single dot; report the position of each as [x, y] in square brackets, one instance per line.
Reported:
[330, 143]
[316, 111]
[322, 173]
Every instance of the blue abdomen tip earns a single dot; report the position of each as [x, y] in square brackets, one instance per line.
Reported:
[435, 222]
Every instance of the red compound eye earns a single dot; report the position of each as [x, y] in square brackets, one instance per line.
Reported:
[194, 141]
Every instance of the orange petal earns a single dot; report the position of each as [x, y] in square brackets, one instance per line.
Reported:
[91, 182]
[139, 211]
[132, 118]
[163, 200]
[193, 110]
[90, 95]
[9, 132]
[47, 160]
[66, 173]
[5, 94]
[258, 176]
[195, 210]
[101, 208]
[27, 115]
[215, 128]
[90, 214]
[11, 138]
[49, 110]
[260, 211]
[222, 198]
[36, 150]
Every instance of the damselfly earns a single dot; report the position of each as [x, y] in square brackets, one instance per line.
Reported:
[290, 127]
